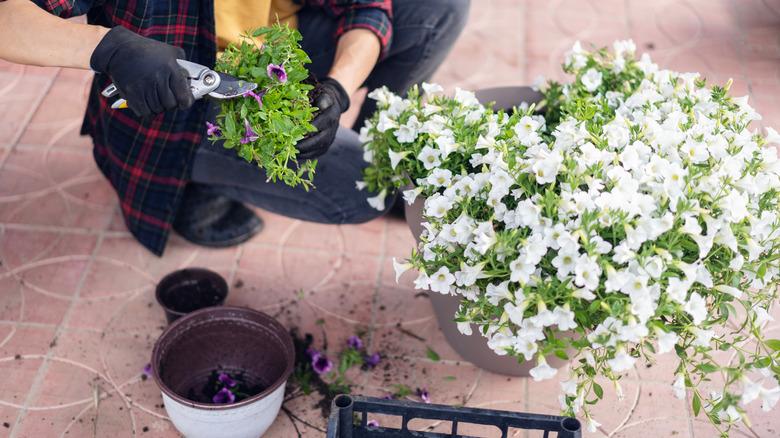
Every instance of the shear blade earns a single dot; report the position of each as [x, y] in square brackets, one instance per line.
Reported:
[230, 87]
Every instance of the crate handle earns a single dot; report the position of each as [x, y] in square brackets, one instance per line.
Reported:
[345, 405]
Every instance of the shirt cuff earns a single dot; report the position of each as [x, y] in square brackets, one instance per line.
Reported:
[374, 20]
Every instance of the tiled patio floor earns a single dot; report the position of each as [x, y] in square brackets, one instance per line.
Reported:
[77, 319]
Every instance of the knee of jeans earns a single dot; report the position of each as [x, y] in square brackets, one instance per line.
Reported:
[454, 14]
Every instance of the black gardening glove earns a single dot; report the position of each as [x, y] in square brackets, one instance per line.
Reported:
[144, 70]
[331, 101]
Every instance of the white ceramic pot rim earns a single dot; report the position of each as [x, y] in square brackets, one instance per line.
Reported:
[281, 380]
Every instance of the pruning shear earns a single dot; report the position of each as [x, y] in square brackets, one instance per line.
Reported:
[203, 81]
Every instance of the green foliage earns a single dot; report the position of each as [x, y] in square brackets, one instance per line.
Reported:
[284, 117]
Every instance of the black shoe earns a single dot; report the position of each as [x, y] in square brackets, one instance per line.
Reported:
[215, 221]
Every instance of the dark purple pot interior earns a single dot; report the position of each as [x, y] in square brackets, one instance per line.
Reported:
[235, 340]
[188, 290]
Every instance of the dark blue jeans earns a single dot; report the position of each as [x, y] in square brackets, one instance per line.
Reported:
[423, 34]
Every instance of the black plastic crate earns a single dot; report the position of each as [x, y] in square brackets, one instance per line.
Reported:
[349, 419]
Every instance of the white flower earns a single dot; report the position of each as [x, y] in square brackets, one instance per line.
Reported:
[679, 387]
[468, 274]
[437, 206]
[484, 237]
[587, 272]
[678, 289]
[432, 89]
[464, 328]
[385, 122]
[621, 362]
[772, 136]
[422, 282]
[441, 280]
[378, 201]
[703, 337]
[697, 308]
[466, 98]
[408, 132]
[569, 387]
[430, 157]
[769, 398]
[497, 293]
[576, 56]
[400, 268]
[542, 371]
[411, 195]
[666, 341]
[591, 79]
[733, 291]
[440, 178]
[360, 185]
[564, 318]
[593, 425]
[396, 157]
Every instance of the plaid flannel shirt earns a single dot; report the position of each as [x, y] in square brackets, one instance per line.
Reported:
[147, 161]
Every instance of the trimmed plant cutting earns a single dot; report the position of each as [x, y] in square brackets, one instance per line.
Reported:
[633, 208]
[265, 126]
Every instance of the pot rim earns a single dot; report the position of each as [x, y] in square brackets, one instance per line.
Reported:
[269, 321]
[161, 285]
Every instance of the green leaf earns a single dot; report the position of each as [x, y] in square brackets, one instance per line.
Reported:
[449, 378]
[774, 344]
[432, 355]
[707, 368]
[696, 405]
[598, 390]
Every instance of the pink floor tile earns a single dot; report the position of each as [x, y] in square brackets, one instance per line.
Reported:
[57, 121]
[77, 310]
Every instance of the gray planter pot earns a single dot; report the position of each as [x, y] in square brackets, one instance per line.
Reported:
[474, 348]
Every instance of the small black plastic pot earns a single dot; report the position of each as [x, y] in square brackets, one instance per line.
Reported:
[187, 290]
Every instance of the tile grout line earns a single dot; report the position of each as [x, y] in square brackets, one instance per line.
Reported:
[523, 40]
[29, 117]
[61, 328]
[377, 287]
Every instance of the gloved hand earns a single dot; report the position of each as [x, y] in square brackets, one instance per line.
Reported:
[331, 101]
[144, 70]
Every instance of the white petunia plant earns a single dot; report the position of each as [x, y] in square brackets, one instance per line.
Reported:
[418, 144]
[638, 217]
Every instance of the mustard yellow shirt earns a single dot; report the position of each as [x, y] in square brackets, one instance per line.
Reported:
[234, 17]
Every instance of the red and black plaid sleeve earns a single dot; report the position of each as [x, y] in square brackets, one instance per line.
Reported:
[65, 8]
[374, 15]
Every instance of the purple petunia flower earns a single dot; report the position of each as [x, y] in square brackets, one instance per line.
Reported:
[321, 363]
[250, 135]
[225, 379]
[372, 360]
[256, 96]
[212, 129]
[355, 342]
[277, 72]
[224, 396]
[372, 424]
[423, 394]
[147, 371]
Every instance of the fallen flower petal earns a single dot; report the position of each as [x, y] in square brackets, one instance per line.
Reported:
[354, 342]
[372, 424]
[423, 394]
[372, 360]
[321, 364]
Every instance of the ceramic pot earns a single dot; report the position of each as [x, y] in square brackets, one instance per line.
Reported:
[235, 340]
[187, 290]
[474, 348]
